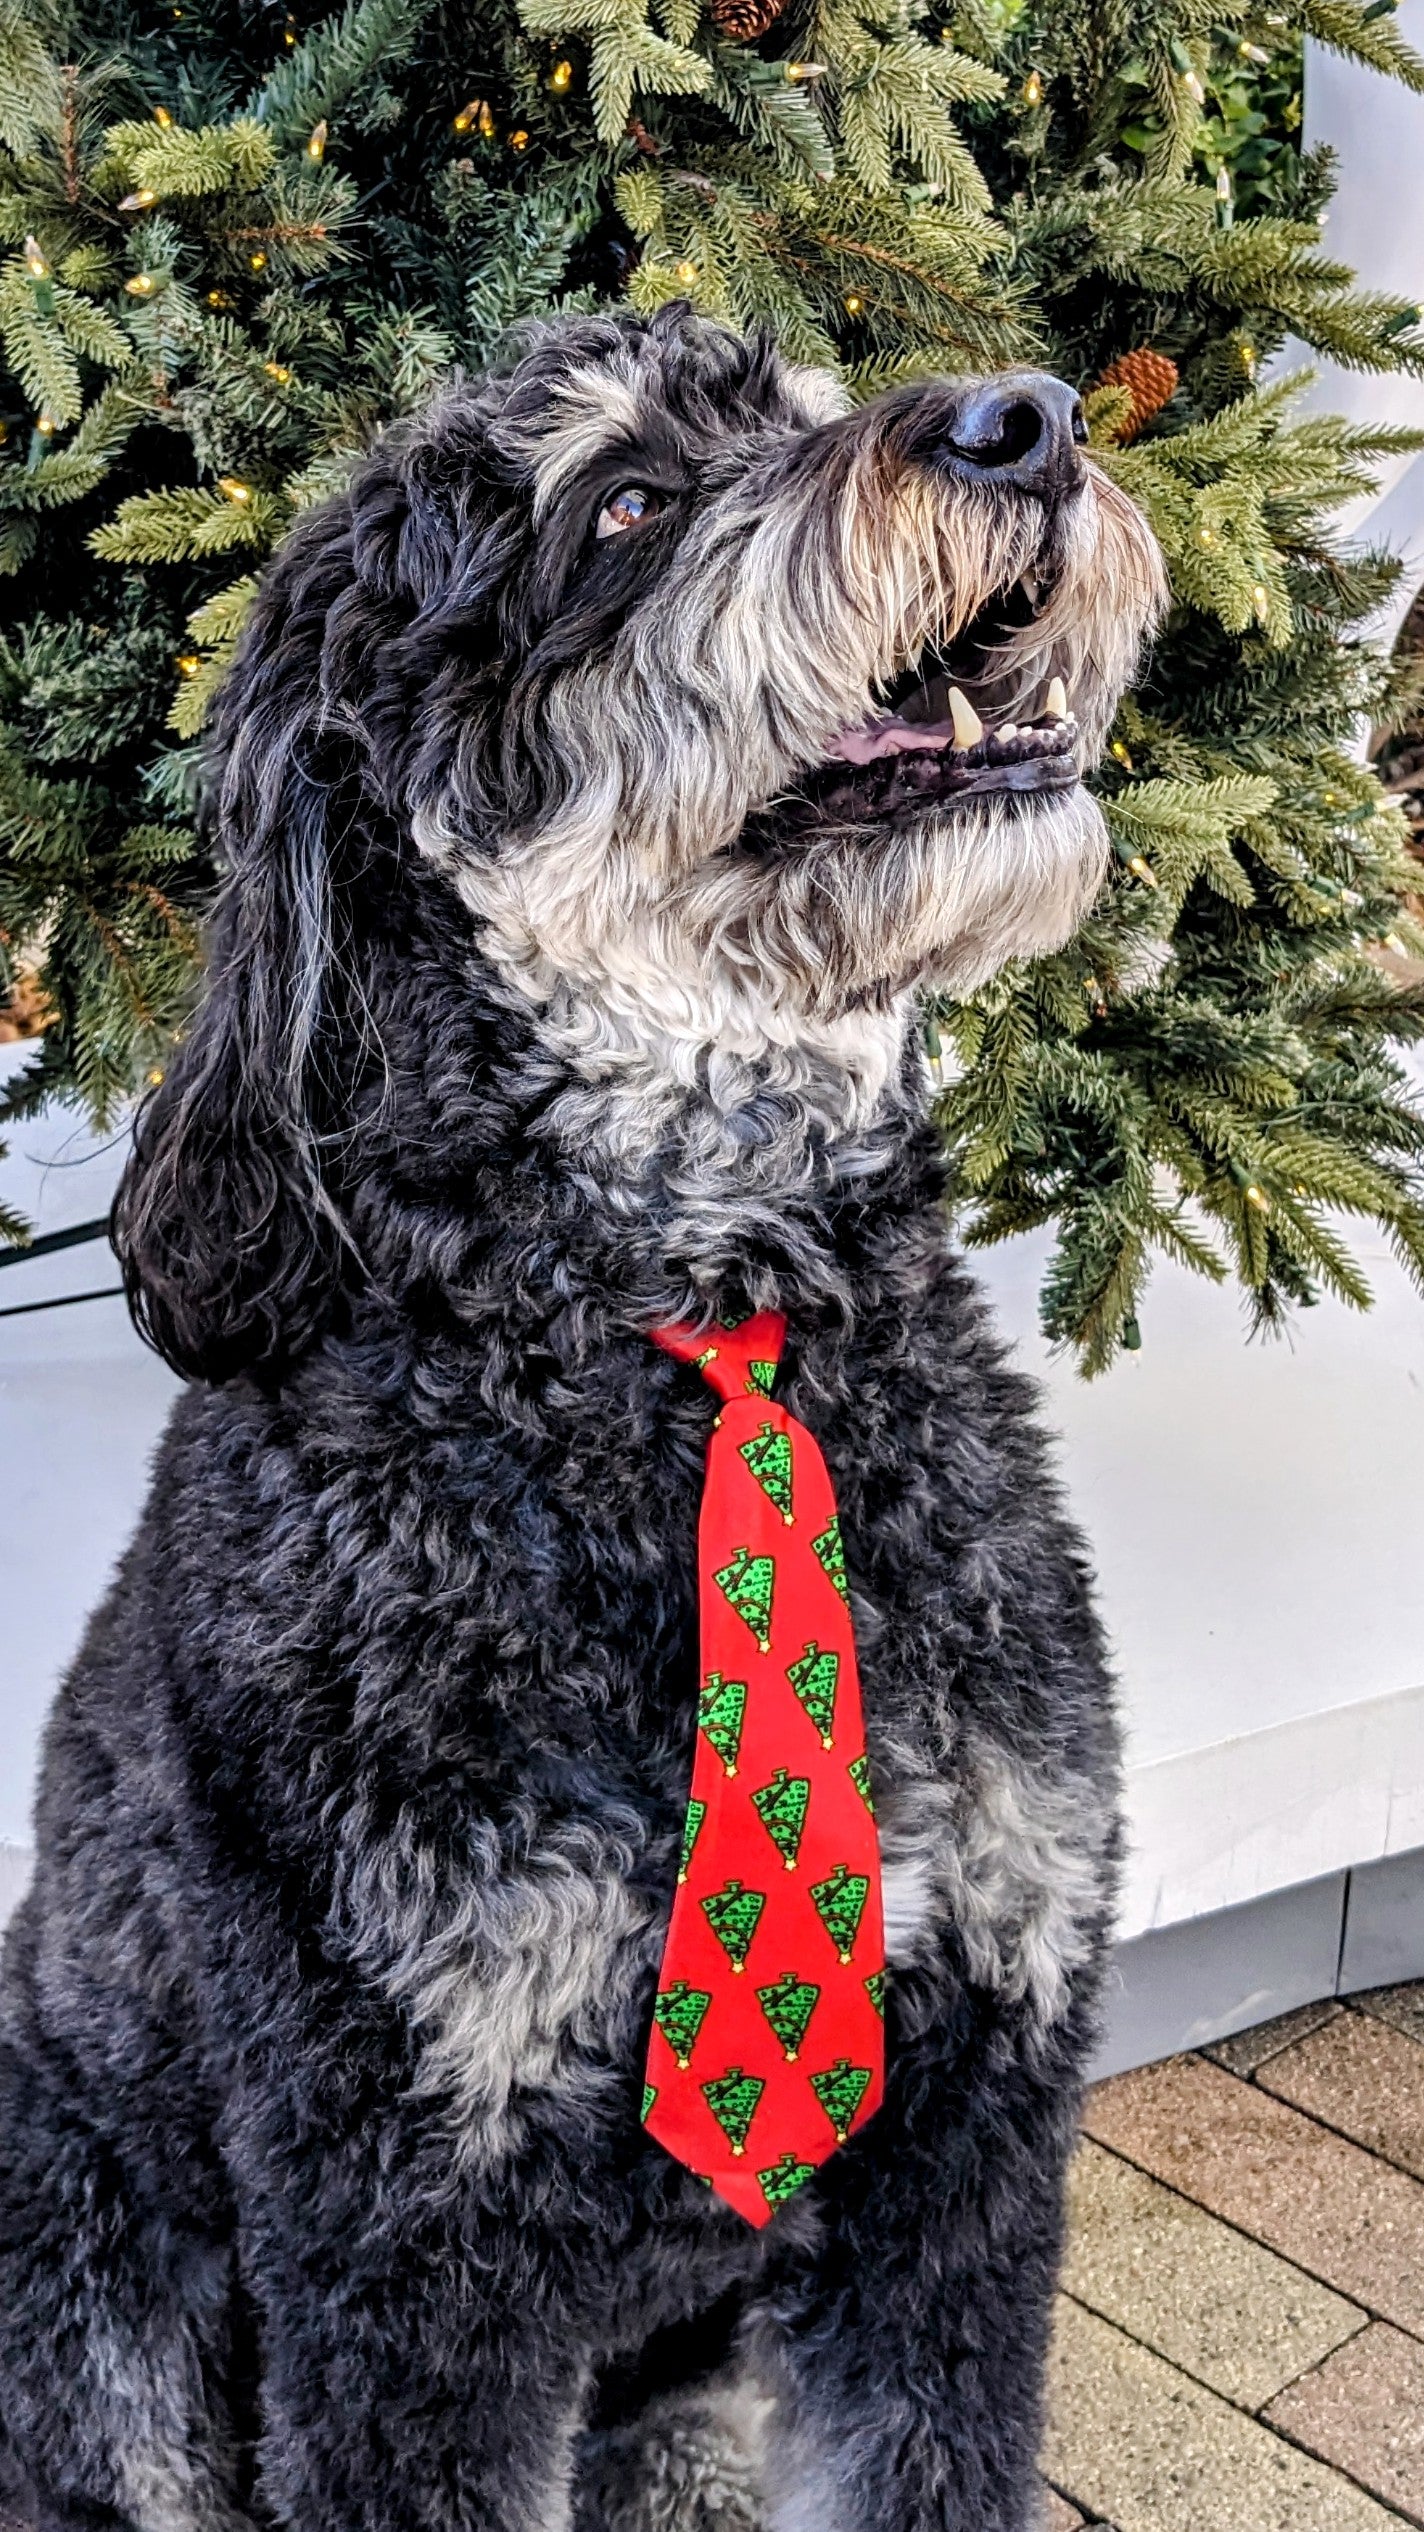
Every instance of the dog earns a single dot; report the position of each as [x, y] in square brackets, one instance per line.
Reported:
[601, 780]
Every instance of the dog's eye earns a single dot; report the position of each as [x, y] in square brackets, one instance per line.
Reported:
[627, 509]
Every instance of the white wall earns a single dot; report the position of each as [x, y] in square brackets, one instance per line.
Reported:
[1376, 225]
[1254, 1514]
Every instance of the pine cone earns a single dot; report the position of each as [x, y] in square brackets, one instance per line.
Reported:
[1150, 379]
[26, 1014]
[742, 21]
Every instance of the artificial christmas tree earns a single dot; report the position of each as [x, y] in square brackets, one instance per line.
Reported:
[238, 239]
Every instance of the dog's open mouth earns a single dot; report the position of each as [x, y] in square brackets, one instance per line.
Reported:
[942, 731]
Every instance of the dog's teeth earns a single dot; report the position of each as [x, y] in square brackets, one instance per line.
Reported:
[1007, 730]
[968, 728]
[1055, 704]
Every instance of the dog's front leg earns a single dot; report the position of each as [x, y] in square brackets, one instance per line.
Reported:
[906, 2340]
[422, 2372]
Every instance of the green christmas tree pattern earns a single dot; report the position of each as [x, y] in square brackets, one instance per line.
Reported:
[830, 1553]
[761, 1379]
[814, 1679]
[768, 1456]
[679, 2012]
[650, 2094]
[701, 1361]
[721, 1712]
[788, 2006]
[840, 2092]
[747, 1582]
[781, 2181]
[859, 1774]
[734, 1915]
[691, 1832]
[840, 1904]
[781, 1807]
[875, 1989]
[732, 2099]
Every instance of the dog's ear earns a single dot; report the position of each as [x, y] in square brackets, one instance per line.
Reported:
[230, 1243]
[370, 660]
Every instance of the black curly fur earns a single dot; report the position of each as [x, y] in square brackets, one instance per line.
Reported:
[398, 1676]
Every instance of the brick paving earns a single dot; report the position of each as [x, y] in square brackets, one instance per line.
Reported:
[1240, 2339]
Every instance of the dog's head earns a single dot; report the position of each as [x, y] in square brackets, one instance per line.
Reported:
[728, 712]
[731, 693]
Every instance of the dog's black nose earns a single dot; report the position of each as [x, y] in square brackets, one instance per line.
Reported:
[1024, 429]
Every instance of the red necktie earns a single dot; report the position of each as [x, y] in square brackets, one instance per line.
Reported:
[768, 2043]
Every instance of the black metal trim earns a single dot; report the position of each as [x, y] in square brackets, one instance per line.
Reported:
[49, 1241]
[61, 1301]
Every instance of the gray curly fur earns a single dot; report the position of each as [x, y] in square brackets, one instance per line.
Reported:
[324, 2201]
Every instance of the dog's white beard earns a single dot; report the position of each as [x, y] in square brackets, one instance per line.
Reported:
[940, 904]
[798, 975]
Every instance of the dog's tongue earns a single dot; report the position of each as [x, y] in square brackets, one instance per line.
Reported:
[891, 738]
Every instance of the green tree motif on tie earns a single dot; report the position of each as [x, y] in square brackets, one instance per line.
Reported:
[650, 2094]
[840, 2092]
[788, 2006]
[747, 1583]
[875, 1989]
[691, 1831]
[721, 1711]
[680, 2012]
[768, 1456]
[781, 1807]
[830, 1552]
[859, 1774]
[732, 2099]
[840, 1904]
[814, 1679]
[782, 2180]
[761, 1378]
[734, 1915]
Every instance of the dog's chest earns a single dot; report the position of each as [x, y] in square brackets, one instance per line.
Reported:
[520, 1944]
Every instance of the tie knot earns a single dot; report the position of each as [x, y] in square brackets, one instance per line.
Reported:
[738, 1361]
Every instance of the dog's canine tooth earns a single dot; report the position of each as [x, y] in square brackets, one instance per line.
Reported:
[968, 728]
[1007, 730]
[1055, 702]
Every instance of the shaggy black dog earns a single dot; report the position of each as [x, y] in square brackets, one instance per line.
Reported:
[600, 778]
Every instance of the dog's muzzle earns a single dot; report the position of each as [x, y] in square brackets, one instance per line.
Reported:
[941, 732]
